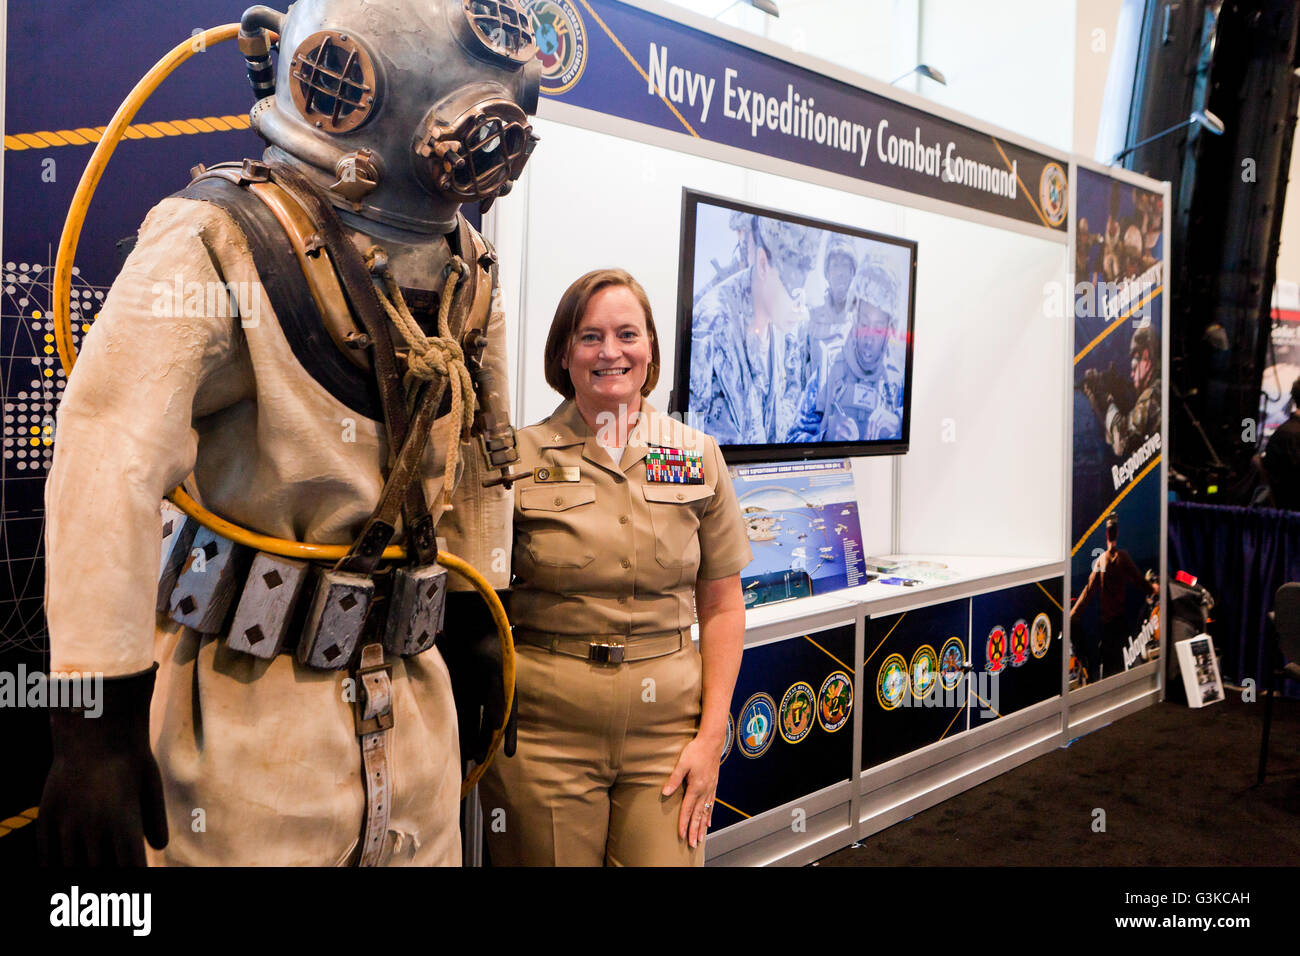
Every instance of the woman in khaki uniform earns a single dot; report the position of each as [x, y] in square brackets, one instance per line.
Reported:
[626, 529]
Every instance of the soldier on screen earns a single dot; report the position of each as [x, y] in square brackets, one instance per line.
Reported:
[828, 323]
[862, 395]
[749, 341]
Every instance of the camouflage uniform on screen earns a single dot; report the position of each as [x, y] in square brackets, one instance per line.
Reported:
[828, 324]
[746, 385]
[1128, 421]
[856, 385]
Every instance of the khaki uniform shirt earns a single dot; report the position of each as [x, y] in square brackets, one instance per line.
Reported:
[610, 552]
[266, 749]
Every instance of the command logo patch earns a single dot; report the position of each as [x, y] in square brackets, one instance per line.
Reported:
[1040, 636]
[1053, 194]
[1019, 643]
[798, 709]
[924, 670]
[561, 44]
[756, 726]
[731, 738]
[996, 650]
[835, 701]
[952, 663]
[892, 681]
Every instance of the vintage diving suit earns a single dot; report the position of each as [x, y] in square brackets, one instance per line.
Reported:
[223, 351]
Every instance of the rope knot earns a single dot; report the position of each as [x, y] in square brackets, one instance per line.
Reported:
[430, 357]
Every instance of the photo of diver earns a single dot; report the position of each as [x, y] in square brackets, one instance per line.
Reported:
[795, 338]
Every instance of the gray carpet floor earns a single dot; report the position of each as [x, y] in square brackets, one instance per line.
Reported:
[1177, 787]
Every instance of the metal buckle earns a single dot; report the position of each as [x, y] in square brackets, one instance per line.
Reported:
[606, 653]
[384, 719]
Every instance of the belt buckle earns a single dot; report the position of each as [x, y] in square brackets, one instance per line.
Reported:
[601, 653]
[383, 720]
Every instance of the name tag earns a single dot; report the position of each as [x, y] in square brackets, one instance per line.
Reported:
[864, 395]
[675, 466]
[549, 474]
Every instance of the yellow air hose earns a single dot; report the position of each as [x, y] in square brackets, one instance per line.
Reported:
[72, 226]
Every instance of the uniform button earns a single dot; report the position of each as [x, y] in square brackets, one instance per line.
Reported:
[622, 519]
[680, 496]
[558, 502]
[626, 563]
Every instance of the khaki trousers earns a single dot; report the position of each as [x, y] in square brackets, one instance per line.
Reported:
[597, 743]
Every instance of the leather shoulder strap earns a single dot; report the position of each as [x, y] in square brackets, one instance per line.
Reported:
[290, 298]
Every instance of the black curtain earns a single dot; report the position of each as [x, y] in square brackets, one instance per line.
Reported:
[1242, 556]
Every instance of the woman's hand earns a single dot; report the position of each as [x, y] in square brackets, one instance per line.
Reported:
[698, 767]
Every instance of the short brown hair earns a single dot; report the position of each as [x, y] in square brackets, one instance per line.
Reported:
[573, 306]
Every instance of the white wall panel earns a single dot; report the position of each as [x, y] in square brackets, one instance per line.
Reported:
[985, 473]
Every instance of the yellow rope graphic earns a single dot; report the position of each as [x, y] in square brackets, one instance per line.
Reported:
[17, 823]
[85, 136]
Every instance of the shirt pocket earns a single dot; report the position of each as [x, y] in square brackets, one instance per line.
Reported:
[554, 528]
[675, 516]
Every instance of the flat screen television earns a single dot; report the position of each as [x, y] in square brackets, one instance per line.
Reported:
[794, 336]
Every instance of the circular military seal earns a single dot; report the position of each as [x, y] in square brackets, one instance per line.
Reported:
[1053, 194]
[1019, 643]
[561, 44]
[1040, 636]
[891, 682]
[924, 670]
[996, 650]
[731, 738]
[952, 663]
[755, 725]
[798, 712]
[835, 701]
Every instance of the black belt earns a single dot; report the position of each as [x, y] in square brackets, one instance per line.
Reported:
[607, 648]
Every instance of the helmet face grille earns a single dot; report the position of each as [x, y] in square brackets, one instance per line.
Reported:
[492, 151]
[480, 153]
[502, 27]
[333, 82]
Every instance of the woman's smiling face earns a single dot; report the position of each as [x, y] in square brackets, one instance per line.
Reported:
[609, 354]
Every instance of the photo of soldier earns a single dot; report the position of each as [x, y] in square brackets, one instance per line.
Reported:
[749, 340]
[1102, 652]
[858, 395]
[1128, 409]
[828, 324]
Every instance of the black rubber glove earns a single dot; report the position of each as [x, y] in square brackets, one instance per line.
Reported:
[472, 650]
[104, 794]
[1121, 389]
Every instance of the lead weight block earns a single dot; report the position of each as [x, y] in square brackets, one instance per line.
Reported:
[208, 583]
[335, 618]
[415, 615]
[178, 531]
[262, 615]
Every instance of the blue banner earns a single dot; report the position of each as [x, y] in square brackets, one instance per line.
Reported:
[1118, 412]
[622, 61]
